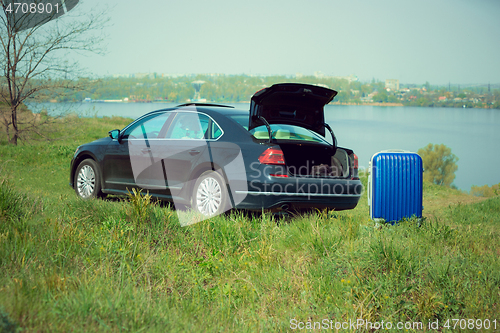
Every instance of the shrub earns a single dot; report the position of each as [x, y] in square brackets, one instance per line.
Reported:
[7, 325]
[485, 190]
[439, 164]
[12, 204]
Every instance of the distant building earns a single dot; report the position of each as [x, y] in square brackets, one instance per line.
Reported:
[144, 75]
[197, 87]
[319, 75]
[173, 76]
[349, 78]
[121, 75]
[392, 84]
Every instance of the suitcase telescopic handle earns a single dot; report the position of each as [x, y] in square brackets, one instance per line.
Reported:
[369, 192]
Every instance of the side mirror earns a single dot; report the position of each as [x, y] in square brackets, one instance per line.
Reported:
[114, 134]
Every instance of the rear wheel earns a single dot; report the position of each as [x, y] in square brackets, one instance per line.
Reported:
[87, 180]
[210, 194]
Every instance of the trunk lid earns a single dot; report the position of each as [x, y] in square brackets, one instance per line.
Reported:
[293, 104]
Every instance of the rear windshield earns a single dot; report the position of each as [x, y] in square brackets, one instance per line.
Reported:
[280, 131]
[287, 132]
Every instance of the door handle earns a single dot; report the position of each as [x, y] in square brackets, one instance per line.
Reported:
[146, 150]
[193, 152]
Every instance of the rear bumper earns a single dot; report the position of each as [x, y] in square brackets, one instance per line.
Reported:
[290, 193]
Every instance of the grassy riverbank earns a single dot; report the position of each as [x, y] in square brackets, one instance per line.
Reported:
[127, 265]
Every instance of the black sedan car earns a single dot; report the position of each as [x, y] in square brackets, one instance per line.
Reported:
[279, 155]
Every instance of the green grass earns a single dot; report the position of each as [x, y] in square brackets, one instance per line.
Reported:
[127, 265]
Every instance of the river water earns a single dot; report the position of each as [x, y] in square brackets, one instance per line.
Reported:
[472, 134]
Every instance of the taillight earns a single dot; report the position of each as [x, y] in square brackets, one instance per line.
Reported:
[354, 171]
[272, 156]
[278, 175]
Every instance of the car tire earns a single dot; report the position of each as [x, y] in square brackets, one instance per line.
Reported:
[87, 182]
[210, 196]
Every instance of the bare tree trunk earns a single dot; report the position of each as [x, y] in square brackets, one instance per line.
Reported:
[15, 136]
[34, 61]
[7, 129]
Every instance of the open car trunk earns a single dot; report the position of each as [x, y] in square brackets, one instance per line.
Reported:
[291, 103]
[313, 160]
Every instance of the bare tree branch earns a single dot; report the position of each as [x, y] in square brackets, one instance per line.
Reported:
[34, 61]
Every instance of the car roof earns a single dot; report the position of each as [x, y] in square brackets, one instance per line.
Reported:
[209, 109]
[225, 110]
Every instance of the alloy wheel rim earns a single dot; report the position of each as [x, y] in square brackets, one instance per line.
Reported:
[86, 181]
[209, 196]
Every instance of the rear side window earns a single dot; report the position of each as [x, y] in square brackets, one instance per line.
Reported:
[192, 125]
[216, 131]
[189, 125]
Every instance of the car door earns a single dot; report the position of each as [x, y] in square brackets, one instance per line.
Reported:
[185, 147]
[129, 161]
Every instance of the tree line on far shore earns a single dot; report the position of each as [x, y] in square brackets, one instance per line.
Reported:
[240, 88]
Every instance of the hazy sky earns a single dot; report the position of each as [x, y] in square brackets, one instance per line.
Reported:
[439, 41]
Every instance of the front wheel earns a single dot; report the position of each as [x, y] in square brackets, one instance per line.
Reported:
[210, 194]
[88, 180]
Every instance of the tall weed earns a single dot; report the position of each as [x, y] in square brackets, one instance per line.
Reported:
[15, 205]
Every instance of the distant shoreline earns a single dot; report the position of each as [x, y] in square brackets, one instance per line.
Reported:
[248, 102]
[371, 103]
[212, 102]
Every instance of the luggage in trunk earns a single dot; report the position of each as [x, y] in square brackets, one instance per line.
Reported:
[313, 160]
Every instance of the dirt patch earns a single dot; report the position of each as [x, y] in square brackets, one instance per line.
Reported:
[434, 204]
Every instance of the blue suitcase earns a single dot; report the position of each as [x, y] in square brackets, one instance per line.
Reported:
[395, 185]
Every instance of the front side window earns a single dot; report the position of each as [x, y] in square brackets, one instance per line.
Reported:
[153, 127]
